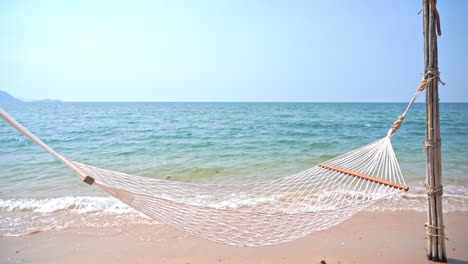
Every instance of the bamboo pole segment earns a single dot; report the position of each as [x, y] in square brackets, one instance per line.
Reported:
[435, 225]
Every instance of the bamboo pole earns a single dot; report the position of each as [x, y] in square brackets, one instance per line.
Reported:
[435, 225]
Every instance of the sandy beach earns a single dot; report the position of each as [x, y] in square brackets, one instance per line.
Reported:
[368, 237]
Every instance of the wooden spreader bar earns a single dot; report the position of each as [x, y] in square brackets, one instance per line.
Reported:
[365, 177]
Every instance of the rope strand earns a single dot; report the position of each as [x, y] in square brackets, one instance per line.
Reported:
[424, 83]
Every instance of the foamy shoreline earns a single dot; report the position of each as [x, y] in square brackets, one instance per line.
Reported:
[22, 216]
[368, 237]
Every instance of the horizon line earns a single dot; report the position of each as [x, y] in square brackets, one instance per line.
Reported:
[60, 101]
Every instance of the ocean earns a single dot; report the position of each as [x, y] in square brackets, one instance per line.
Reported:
[204, 143]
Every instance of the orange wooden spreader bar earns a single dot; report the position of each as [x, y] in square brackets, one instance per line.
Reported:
[365, 177]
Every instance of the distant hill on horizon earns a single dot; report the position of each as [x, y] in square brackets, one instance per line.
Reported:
[8, 98]
[48, 101]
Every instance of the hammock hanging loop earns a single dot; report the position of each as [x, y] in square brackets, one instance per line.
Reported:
[424, 83]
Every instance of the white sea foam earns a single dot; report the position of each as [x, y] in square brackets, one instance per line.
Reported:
[80, 205]
[29, 215]
[22, 216]
[455, 198]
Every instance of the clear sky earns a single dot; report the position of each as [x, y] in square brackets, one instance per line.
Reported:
[262, 50]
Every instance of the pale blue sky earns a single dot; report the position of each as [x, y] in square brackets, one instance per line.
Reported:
[226, 50]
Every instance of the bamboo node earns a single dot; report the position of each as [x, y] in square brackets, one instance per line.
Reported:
[432, 143]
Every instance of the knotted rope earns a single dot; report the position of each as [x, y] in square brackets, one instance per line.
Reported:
[424, 83]
[434, 190]
[431, 230]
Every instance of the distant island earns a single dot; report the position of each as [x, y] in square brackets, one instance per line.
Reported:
[48, 101]
[8, 98]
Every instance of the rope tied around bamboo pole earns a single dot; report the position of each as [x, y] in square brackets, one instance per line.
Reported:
[430, 229]
[422, 86]
[426, 79]
[434, 190]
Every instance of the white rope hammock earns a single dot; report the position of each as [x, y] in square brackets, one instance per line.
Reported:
[263, 213]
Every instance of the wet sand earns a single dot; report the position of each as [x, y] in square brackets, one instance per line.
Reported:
[368, 237]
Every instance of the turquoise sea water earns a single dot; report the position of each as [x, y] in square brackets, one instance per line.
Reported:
[206, 142]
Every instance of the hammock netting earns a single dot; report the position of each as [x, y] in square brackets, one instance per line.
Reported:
[264, 213]
[256, 214]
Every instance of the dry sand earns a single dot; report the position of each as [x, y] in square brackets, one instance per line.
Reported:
[380, 237]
